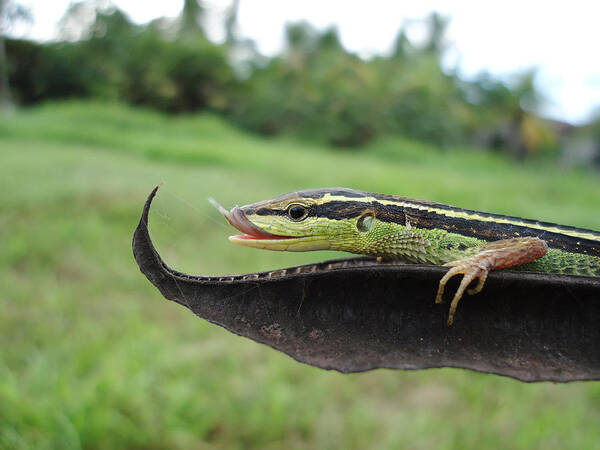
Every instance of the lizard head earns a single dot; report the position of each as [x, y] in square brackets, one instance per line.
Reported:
[318, 219]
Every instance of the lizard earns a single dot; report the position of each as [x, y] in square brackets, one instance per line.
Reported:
[471, 243]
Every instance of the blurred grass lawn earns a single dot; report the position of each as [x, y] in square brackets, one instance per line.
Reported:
[91, 356]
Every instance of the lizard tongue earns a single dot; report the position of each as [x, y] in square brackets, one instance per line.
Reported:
[237, 218]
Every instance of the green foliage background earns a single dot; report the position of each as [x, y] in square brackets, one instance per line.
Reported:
[314, 88]
[91, 356]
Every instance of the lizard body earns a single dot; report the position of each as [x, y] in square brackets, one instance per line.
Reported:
[470, 242]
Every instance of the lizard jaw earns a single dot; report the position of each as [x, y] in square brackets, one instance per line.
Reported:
[257, 238]
[282, 243]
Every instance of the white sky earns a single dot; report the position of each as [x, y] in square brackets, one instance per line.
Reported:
[559, 38]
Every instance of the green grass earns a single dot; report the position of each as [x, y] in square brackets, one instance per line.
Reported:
[91, 356]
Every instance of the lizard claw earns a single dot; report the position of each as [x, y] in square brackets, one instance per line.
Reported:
[494, 255]
[470, 272]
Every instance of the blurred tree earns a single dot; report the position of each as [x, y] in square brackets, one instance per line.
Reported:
[117, 59]
[51, 71]
[191, 20]
[401, 45]
[200, 75]
[314, 88]
[230, 21]
[10, 12]
[506, 120]
[581, 147]
[437, 26]
[76, 22]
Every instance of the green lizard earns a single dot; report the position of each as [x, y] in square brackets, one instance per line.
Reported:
[471, 243]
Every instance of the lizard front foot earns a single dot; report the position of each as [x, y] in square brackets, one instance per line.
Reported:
[470, 270]
[494, 255]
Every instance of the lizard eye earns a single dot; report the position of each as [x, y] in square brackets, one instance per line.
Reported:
[297, 212]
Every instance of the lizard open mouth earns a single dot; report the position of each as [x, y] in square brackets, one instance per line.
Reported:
[237, 218]
[255, 237]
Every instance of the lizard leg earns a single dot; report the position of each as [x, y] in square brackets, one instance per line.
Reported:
[494, 255]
